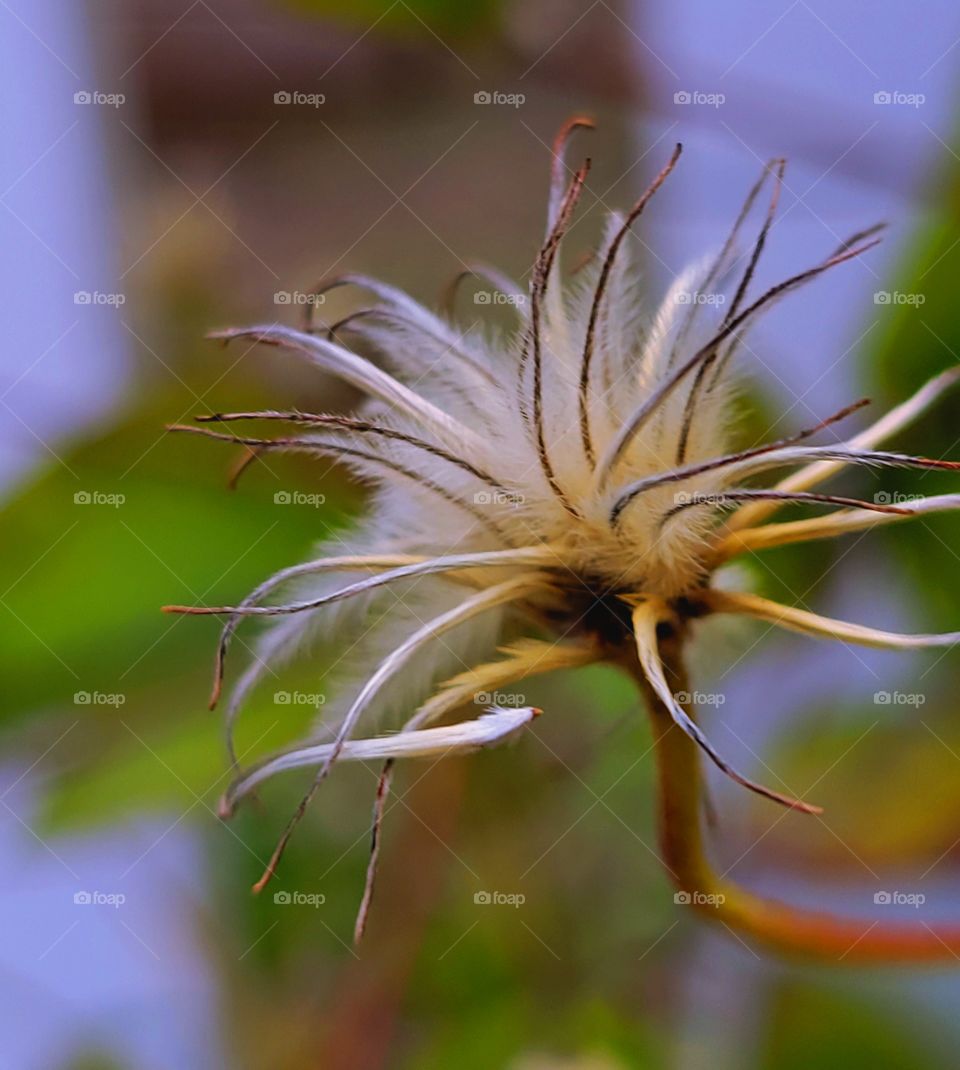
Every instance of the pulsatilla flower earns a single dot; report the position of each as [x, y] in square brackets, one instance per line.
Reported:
[560, 497]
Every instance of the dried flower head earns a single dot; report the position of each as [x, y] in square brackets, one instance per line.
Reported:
[566, 496]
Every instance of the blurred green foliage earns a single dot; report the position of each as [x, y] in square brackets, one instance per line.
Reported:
[919, 340]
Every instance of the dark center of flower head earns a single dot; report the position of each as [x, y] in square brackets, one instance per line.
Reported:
[605, 614]
[607, 617]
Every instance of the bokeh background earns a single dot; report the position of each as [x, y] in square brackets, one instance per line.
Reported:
[153, 186]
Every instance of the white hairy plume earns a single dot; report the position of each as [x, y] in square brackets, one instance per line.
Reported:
[566, 488]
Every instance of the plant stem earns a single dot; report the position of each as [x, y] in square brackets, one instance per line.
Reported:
[778, 926]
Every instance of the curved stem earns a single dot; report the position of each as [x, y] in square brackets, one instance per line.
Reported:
[778, 926]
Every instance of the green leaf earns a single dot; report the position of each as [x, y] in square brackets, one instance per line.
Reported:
[131, 522]
[917, 341]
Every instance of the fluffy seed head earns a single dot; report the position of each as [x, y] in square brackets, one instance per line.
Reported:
[562, 491]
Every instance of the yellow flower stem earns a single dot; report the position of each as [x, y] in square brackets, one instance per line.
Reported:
[778, 926]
